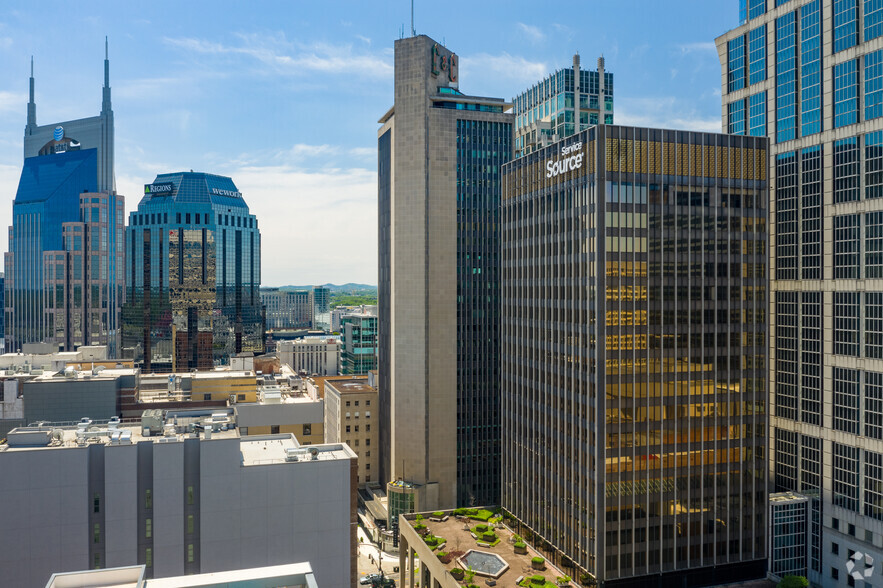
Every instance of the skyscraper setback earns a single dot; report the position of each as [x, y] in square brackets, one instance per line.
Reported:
[64, 276]
[809, 75]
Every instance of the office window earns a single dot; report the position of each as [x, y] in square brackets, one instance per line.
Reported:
[786, 460]
[873, 18]
[148, 557]
[846, 417]
[846, 469]
[148, 528]
[845, 24]
[96, 533]
[846, 246]
[811, 212]
[786, 216]
[874, 485]
[846, 323]
[810, 68]
[736, 64]
[874, 405]
[96, 503]
[189, 524]
[347, 428]
[308, 429]
[189, 494]
[190, 553]
[736, 117]
[810, 463]
[874, 325]
[756, 8]
[811, 357]
[757, 115]
[274, 429]
[846, 188]
[846, 93]
[786, 355]
[874, 165]
[873, 98]
[786, 77]
[757, 55]
[835, 548]
[148, 499]
[96, 561]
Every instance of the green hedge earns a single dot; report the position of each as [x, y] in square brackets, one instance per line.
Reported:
[438, 514]
[537, 560]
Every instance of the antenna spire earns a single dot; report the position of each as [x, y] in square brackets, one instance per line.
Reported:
[413, 32]
[105, 103]
[32, 106]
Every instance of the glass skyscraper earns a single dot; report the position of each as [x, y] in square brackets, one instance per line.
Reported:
[193, 268]
[358, 338]
[64, 282]
[809, 75]
[566, 102]
[440, 158]
[634, 329]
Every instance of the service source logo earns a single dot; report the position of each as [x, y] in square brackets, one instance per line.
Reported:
[860, 566]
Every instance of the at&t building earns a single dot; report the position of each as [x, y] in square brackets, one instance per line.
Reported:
[193, 273]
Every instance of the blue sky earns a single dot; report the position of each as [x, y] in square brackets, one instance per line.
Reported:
[284, 96]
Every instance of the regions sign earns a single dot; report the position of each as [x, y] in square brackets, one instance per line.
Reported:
[161, 189]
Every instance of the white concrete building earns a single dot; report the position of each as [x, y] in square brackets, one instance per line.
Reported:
[79, 498]
[320, 356]
[298, 575]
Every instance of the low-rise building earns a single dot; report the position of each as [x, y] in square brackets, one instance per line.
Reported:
[282, 409]
[69, 395]
[351, 418]
[196, 499]
[312, 355]
[297, 575]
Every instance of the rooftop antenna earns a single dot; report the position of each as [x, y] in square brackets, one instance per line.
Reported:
[413, 32]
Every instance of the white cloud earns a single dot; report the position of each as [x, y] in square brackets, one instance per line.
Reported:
[534, 34]
[13, 101]
[285, 57]
[698, 47]
[664, 112]
[502, 74]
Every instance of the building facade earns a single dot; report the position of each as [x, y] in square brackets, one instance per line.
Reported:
[566, 102]
[312, 355]
[193, 265]
[440, 156]
[176, 504]
[287, 309]
[358, 343]
[807, 74]
[322, 308]
[634, 354]
[63, 272]
[351, 417]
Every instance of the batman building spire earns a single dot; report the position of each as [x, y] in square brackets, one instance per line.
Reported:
[105, 104]
[32, 106]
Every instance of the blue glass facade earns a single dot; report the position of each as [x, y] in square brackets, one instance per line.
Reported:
[845, 93]
[845, 24]
[736, 60]
[810, 68]
[193, 274]
[757, 115]
[873, 99]
[757, 55]
[736, 124]
[873, 13]
[786, 77]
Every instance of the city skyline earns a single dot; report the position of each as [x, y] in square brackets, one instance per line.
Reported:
[245, 94]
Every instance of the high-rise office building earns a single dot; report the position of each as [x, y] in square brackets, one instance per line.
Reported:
[634, 329]
[440, 155]
[566, 102]
[358, 338]
[809, 75]
[64, 282]
[194, 271]
[287, 309]
[322, 308]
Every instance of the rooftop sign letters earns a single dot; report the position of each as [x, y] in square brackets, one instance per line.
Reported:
[161, 189]
[570, 158]
[228, 193]
[445, 63]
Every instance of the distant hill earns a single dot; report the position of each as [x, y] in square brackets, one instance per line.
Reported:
[349, 288]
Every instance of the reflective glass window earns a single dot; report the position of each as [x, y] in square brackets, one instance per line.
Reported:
[846, 93]
[845, 24]
[757, 55]
[736, 60]
[810, 68]
[874, 165]
[786, 77]
[846, 246]
[846, 163]
[736, 116]
[874, 245]
[873, 99]
[757, 115]
[873, 21]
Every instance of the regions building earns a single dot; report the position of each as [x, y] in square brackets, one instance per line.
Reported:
[634, 329]
[193, 265]
[808, 74]
[566, 102]
[63, 272]
[440, 158]
[195, 499]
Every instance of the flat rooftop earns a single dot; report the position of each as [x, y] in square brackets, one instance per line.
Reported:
[351, 386]
[297, 575]
[269, 449]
